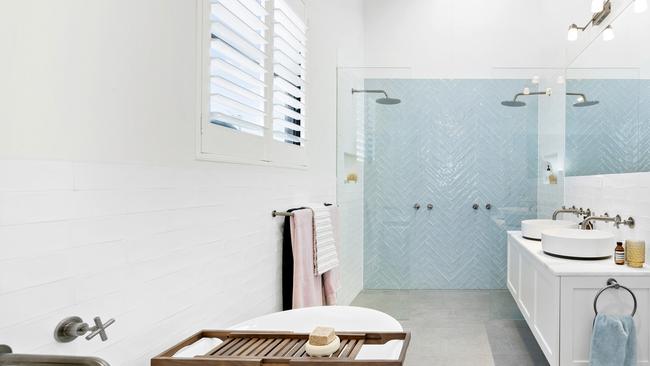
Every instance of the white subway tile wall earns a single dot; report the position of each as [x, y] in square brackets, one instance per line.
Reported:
[166, 250]
[625, 194]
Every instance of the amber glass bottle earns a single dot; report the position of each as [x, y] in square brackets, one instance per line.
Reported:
[619, 253]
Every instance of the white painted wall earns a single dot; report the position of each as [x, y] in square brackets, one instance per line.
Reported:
[467, 39]
[624, 194]
[104, 209]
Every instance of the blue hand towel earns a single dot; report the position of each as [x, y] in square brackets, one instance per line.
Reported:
[613, 341]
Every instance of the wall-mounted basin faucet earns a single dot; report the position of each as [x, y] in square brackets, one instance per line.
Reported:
[576, 211]
[617, 220]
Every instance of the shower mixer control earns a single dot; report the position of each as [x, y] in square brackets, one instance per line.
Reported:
[475, 206]
[430, 206]
[72, 327]
[416, 206]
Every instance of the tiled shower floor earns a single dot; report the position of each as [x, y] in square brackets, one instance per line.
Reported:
[459, 327]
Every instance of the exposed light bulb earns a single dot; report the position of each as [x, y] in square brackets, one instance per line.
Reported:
[526, 91]
[608, 33]
[573, 33]
[640, 6]
[560, 79]
[597, 6]
[535, 79]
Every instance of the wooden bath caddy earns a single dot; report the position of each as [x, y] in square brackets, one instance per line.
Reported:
[248, 348]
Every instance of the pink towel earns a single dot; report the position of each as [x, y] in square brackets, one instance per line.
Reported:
[310, 290]
[307, 288]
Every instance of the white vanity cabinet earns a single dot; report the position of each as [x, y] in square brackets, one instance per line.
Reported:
[556, 297]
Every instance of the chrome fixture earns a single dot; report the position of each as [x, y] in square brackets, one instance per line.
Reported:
[475, 206]
[617, 220]
[416, 206]
[613, 284]
[430, 207]
[385, 100]
[276, 213]
[488, 206]
[518, 103]
[576, 211]
[72, 327]
[600, 12]
[582, 100]
[8, 358]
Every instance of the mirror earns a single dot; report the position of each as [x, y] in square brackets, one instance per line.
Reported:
[608, 101]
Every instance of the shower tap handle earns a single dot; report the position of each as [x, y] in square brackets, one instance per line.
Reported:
[488, 206]
[416, 206]
[430, 206]
[475, 206]
[99, 328]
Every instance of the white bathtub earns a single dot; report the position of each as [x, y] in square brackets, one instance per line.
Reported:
[341, 318]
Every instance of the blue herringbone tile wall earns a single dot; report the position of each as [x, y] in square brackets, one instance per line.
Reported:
[613, 136]
[450, 143]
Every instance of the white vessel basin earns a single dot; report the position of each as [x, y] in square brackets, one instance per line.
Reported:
[532, 229]
[574, 243]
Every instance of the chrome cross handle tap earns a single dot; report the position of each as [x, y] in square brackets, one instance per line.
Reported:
[99, 328]
[70, 328]
[616, 220]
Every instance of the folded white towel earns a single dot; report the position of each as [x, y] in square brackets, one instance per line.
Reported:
[198, 348]
[326, 254]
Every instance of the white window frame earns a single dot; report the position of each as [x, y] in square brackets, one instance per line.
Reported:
[218, 144]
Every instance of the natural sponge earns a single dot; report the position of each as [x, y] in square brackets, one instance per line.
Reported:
[322, 342]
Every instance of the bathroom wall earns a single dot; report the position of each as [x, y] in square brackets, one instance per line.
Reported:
[624, 194]
[104, 209]
[467, 39]
[452, 144]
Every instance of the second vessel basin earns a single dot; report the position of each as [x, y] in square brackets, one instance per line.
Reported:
[532, 229]
[575, 243]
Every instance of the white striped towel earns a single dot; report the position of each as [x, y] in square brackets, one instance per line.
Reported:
[326, 254]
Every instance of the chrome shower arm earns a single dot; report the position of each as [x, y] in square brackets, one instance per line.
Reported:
[577, 95]
[371, 91]
[523, 94]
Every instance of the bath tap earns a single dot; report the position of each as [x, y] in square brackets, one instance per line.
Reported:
[576, 211]
[617, 220]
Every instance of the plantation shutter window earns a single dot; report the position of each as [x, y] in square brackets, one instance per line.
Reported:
[252, 82]
[289, 51]
[237, 65]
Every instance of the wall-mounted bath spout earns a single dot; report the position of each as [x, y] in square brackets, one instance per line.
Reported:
[385, 100]
[582, 100]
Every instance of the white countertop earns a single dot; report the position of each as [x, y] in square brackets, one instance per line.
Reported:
[574, 267]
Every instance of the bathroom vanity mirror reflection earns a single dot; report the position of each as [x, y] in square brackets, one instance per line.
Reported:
[608, 100]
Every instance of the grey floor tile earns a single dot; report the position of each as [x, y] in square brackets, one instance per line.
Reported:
[459, 327]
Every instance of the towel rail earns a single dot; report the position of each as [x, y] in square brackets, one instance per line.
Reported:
[612, 283]
[276, 213]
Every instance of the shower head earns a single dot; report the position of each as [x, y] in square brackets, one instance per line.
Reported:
[582, 100]
[517, 103]
[388, 101]
[586, 103]
[385, 100]
[513, 103]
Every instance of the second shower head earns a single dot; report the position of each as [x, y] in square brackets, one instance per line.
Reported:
[582, 100]
[385, 100]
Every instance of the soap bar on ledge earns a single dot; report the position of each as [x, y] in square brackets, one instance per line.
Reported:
[322, 336]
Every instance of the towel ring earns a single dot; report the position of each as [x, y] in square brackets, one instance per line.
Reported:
[612, 283]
